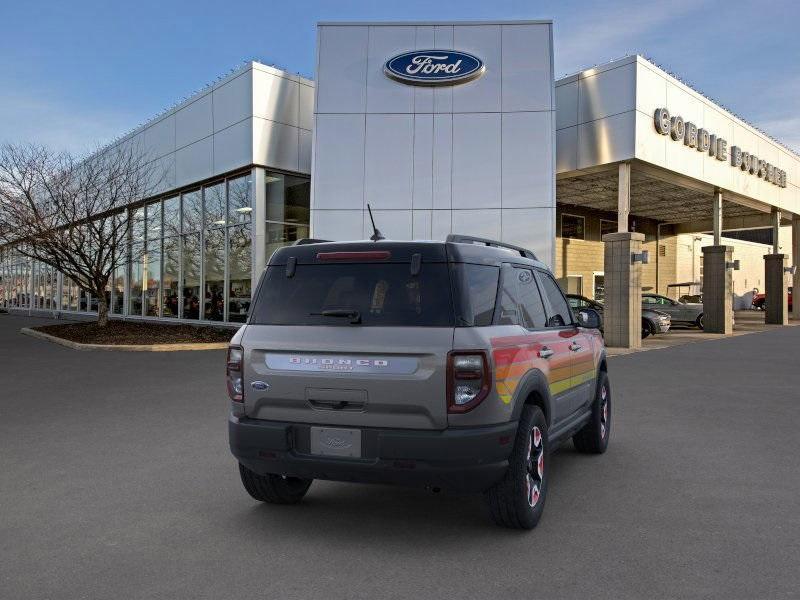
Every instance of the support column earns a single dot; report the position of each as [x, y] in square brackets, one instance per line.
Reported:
[776, 289]
[776, 231]
[622, 314]
[717, 217]
[623, 197]
[717, 290]
[796, 263]
[258, 199]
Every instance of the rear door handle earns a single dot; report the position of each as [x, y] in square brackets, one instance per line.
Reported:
[545, 352]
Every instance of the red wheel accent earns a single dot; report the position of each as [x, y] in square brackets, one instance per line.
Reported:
[535, 466]
[603, 411]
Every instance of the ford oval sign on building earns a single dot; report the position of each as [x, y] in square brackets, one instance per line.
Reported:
[434, 67]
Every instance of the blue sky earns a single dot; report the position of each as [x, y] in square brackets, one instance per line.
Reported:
[75, 74]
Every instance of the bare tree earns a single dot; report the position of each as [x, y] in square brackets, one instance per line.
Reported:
[70, 213]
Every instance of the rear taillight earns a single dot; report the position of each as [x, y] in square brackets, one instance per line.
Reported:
[233, 372]
[468, 379]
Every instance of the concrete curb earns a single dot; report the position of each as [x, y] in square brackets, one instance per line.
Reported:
[124, 347]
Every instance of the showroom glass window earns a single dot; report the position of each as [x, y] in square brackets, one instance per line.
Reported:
[151, 261]
[74, 295]
[288, 208]
[170, 274]
[239, 248]
[65, 293]
[191, 218]
[118, 290]
[135, 283]
[214, 252]
[573, 227]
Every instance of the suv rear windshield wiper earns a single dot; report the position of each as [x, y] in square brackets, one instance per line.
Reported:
[345, 313]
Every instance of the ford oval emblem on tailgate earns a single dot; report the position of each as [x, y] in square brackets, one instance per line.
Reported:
[259, 385]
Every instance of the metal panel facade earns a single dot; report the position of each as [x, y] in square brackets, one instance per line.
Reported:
[692, 107]
[436, 160]
[256, 115]
[606, 114]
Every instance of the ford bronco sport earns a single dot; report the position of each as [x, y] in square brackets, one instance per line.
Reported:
[455, 365]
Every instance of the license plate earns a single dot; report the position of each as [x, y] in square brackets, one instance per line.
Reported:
[328, 441]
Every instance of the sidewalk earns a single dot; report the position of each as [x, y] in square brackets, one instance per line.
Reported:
[747, 321]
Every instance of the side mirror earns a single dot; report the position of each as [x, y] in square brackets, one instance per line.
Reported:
[589, 318]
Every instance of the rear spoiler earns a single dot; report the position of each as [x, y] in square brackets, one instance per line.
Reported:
[304, 241]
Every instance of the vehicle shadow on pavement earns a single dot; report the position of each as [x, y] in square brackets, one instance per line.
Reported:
[408, 516]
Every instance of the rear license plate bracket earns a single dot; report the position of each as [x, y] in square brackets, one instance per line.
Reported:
[333, 441]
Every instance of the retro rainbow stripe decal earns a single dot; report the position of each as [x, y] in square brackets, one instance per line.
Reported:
[516, 355]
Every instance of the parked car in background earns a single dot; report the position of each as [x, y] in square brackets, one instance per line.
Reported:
[682, 313]
[760, 300]
[653, 321]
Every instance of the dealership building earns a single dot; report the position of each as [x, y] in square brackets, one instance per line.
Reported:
[620, 177]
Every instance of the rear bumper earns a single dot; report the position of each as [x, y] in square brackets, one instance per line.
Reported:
[463, 459]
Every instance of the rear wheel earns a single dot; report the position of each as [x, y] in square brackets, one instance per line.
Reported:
[699, 321]
[518, 500]
[646, 331]
[593, 438]
[275, 489]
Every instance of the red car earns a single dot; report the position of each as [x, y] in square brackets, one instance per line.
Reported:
[760, 300]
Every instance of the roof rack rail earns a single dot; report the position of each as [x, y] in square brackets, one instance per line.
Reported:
[304, 241]
[468, 239]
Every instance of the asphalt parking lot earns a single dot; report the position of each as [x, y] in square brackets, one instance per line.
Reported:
[116, 482]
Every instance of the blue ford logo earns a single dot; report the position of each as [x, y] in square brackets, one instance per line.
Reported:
[434, 67]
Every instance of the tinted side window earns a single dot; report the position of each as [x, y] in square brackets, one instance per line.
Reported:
[560, 312]
[476, 291]
[533, 315]
[508, 302]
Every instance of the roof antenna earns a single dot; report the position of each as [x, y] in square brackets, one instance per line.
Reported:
[377, 235]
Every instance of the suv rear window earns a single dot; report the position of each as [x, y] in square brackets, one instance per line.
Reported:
[383, 294]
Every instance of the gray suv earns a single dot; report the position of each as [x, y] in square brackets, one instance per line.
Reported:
[456, 365]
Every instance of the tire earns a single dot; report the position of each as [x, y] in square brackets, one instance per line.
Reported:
[274, 489]
[518, 500]
[646, 330]
[699, 321]
[593, 438]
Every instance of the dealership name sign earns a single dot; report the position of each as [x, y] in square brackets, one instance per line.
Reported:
[717, 147]
[434, 67]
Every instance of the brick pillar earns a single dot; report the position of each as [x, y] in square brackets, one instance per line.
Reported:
[776, 289]
[622, 314]
[717, 290]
